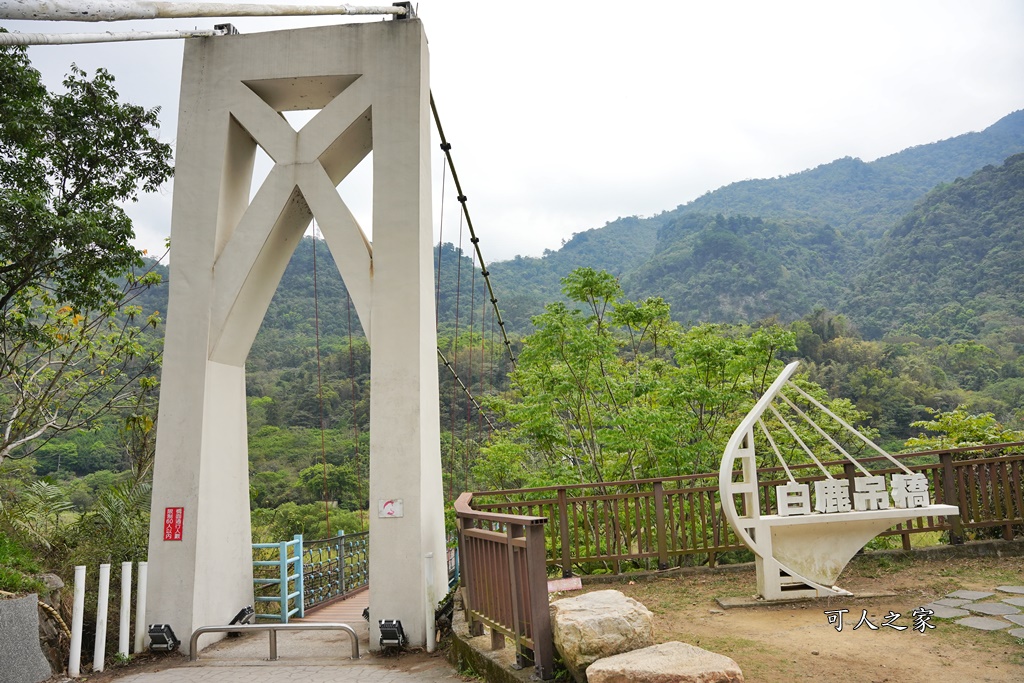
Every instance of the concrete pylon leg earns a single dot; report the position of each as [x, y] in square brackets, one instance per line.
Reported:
[405, 458]
[370, 83]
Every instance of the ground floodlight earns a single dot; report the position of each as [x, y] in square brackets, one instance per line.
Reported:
[162, 638]
[391, 633]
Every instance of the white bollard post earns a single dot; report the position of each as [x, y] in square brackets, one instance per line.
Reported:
[428, 574]
[100, 648]
[140, 608]
[77, 615]
[126, 609]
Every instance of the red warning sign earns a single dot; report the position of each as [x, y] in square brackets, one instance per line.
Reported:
[173, 521]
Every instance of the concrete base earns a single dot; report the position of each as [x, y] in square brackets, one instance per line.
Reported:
[758, 601]
[469, 653]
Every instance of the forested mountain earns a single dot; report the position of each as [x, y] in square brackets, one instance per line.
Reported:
[738, 268]
[954, 266]
[619, 247]
[853, 201]
[860, 199]
[900, 282]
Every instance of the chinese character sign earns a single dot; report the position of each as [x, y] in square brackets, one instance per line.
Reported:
[921, 616]
[869, 493]
[832, 495]
[174, 520]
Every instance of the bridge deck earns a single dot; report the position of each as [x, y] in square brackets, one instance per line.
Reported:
[347, 611]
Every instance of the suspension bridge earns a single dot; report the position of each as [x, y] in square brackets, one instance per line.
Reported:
[369, 87]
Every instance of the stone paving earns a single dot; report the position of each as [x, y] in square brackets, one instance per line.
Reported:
[309, 657]
[1002, 611]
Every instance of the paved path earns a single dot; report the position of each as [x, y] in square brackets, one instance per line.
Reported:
[996, 610]
[308, 656]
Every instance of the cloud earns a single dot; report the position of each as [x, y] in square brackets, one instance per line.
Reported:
[564, 116]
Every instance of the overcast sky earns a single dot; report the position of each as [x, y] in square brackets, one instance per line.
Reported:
[566, 115]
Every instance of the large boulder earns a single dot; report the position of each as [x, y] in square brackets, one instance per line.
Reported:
[599, 624]
[666, 663]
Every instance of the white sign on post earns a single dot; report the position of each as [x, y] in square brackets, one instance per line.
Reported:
[392, 507]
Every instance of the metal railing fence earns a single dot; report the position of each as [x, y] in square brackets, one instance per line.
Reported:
[278, 567]
[334, 567]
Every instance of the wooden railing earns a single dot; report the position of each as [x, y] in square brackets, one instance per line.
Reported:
[503, 572]
[673, 521]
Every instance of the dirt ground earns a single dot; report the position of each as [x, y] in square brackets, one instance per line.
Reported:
[776, 644]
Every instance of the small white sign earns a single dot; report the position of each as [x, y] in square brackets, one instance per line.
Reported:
[392, 507]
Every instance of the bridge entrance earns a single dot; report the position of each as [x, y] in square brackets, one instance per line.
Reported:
[370, 85]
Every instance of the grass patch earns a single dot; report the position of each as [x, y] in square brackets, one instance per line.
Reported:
[17, 567]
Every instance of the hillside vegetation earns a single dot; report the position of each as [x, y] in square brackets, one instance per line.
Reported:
[903, 299]
[835, 214]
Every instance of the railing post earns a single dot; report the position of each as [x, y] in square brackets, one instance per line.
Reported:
[468, 578]
[341, 562]
[301, 579]
[563, 532]
[282, 549]
[956, 531]
[514, 589]
[540, 616]
[659, 521]
[851, 474]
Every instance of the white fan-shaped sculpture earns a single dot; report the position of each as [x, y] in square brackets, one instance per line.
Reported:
[802, 550]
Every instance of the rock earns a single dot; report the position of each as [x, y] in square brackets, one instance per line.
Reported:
[52, 641]
[599, 624]
[23, 661]
[666, 663]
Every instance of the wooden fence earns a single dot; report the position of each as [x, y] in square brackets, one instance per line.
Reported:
[612, 527]
[505, 580]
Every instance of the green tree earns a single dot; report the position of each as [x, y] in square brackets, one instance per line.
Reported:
[67, 162]
[616, 390]
[69, 348]
[960, 428]
[337, 482]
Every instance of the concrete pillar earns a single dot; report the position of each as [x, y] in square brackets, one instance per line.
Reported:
[370, 83]
[405, 457]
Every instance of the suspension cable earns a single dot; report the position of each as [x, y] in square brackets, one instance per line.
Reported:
[465, 389]
[440, 248]
[483, 336]
[319, 382]
[355, 417]
[447, 149]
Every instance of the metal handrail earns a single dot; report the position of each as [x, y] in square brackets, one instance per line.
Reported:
[272, 629]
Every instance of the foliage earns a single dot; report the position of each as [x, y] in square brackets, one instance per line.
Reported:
[282, 523]
[67, 162]
[38, 514]
[739, 268]
[959, 428]
[116, 527]
[69, 351]
[17, 566]
[616, 390]
[952, 265]
[78, 367]
[331, 482]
